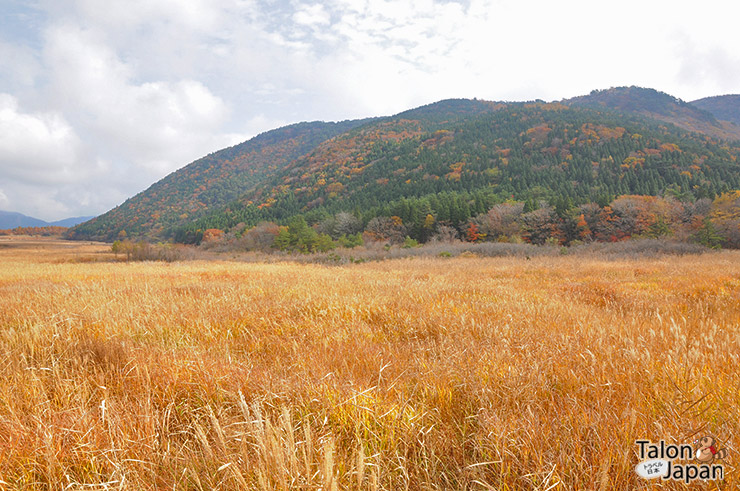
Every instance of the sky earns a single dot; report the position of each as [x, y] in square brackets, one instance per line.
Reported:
[99, 99]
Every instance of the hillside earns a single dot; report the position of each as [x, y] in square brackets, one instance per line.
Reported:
[724, 107]
[662, 107]
[209, 182]
[445, 162]
[456, 169]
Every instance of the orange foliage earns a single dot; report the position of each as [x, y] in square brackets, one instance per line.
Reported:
[49, 231]
[335, 187]
[670, 147]
[212, 235]
[455, 171]
[633, 161]
[473, 233]
[440, 137]
[538, 134]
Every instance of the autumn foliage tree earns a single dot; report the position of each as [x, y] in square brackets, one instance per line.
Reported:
[389, 229]
[725, 217]
[473, 233]
[539, 225]
[212, 235]
[49, 231]
[501, 222]
[259, 238]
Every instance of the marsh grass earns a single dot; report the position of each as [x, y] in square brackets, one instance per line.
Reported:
[629, 249]
[419, 373]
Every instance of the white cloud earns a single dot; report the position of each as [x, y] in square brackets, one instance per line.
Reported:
[156, 126]
[711, 69]
[19, 68]
[311, 15]
[45, 168]
[107, 97]
[124, 15]
[52, 202]
[38, 147]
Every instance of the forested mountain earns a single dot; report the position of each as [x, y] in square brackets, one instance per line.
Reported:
[663, 107]
[724, 107]
[453, 170]
[443, 163]
[209, 182]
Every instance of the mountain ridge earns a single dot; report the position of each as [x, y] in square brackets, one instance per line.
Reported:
[11, 219]
[658, 105]
[320, 168]
[723, 107]
[522, 151]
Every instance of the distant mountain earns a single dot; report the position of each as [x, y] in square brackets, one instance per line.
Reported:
[9, 219]
[724, 107]
[71, 222]
[443, 162]
[660, 106]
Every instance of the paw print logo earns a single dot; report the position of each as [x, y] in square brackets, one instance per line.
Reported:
[707, 451]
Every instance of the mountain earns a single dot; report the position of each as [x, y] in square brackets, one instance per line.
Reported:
[209, 182]
[724, 107]
[9, 219]
[449, 161]
[71, 222]
[660, 106]
[519, 150]
[224, 176]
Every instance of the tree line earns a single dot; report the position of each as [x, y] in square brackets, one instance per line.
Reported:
[713, 223]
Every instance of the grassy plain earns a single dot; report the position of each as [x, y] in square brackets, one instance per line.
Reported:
[422, 373]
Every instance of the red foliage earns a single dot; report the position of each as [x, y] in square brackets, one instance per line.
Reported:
[473, 234]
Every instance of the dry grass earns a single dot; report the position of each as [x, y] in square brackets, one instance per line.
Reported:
[51, 249]
[446, 373]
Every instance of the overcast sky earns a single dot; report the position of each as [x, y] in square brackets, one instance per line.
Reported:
[101, 98]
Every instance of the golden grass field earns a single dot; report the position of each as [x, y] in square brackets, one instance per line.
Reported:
[437, 373]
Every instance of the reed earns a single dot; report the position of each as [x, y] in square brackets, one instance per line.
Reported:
[423, 373]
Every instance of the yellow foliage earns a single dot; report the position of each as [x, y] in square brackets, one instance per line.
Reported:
[670, 147]
[335, 187]
[633, 161]
[726, 206]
